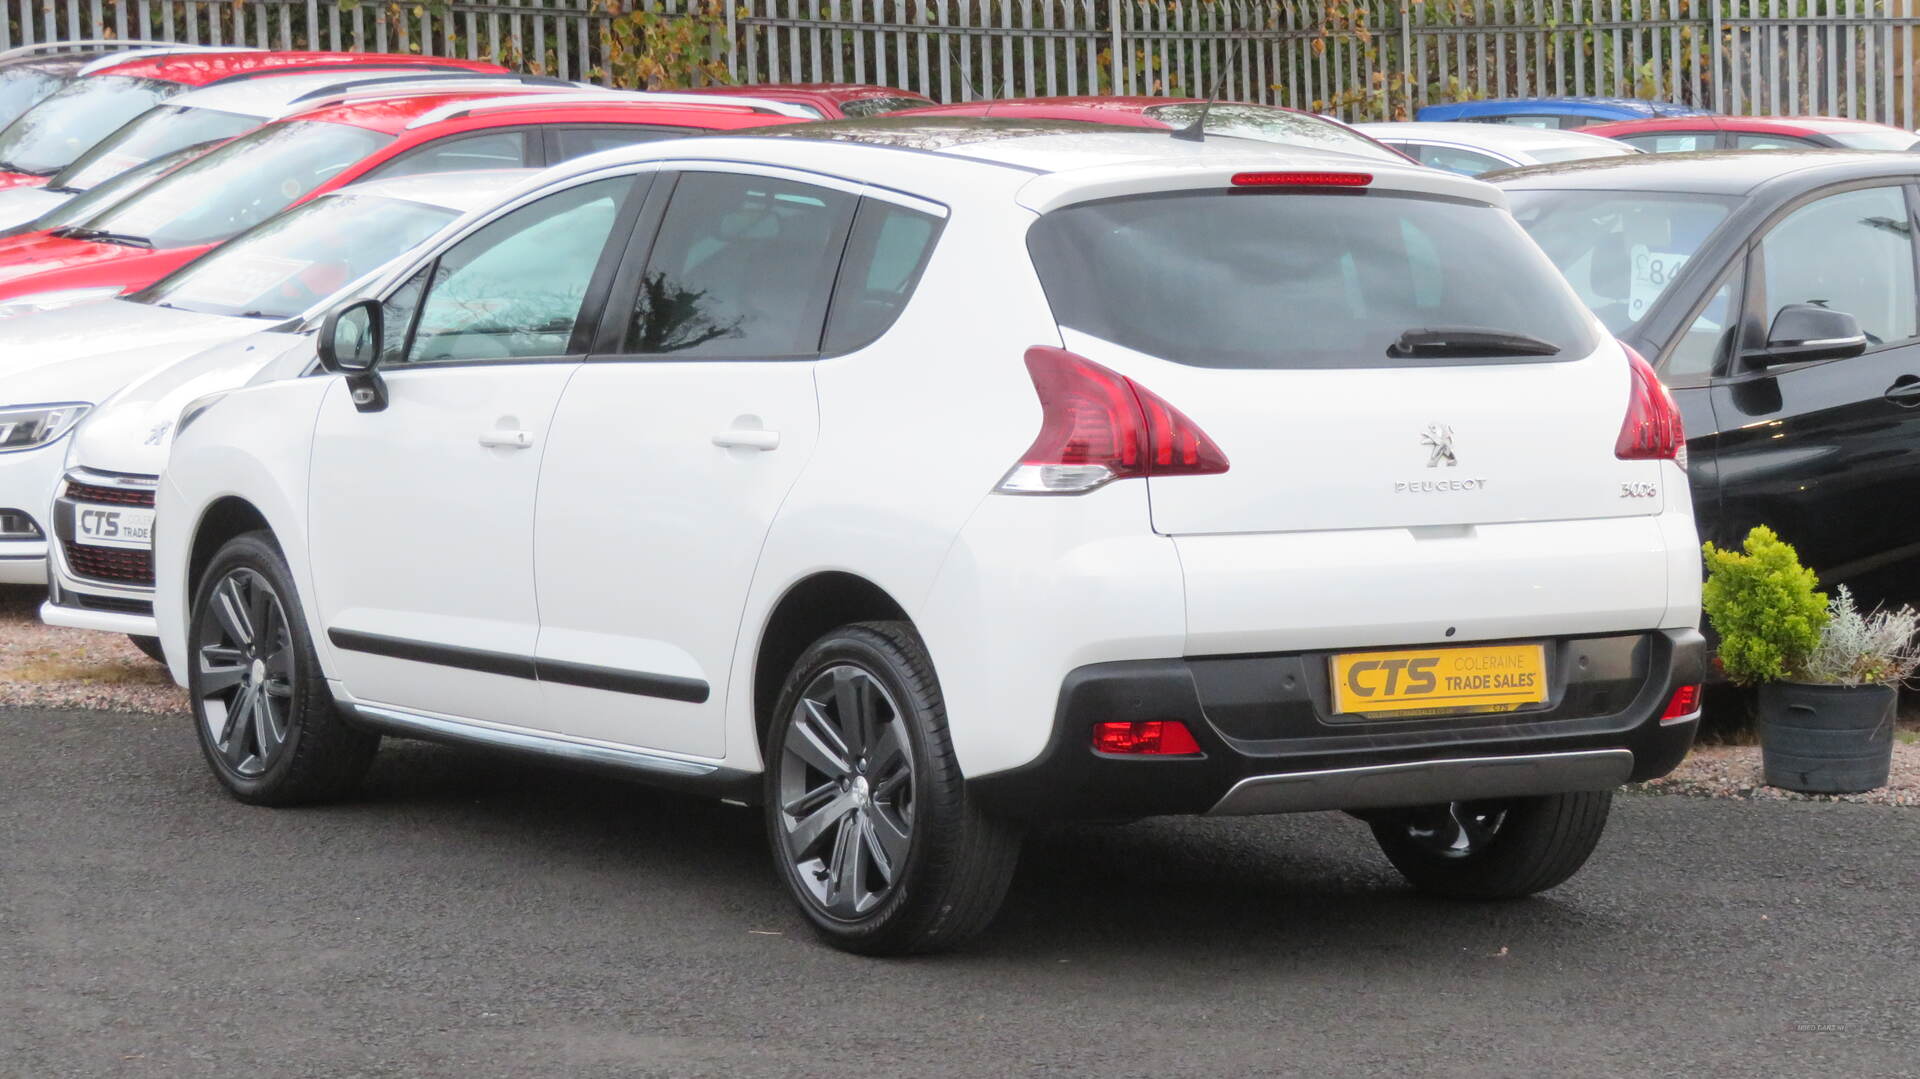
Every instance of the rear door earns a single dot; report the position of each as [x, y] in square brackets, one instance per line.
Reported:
[1273, 319]
[674, 447]
[1820, 451]
[421, 514]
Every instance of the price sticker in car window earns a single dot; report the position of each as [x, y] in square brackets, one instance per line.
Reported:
[1652, 271]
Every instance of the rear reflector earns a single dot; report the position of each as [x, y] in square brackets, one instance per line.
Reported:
[1652, 430]
[1098, 425]
[1148, 737]
[1685, 702]
[1302, 179]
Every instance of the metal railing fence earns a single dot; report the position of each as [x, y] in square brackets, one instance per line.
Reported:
[1345, 57]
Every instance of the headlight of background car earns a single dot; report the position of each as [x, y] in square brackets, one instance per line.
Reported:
[50, 301]
[22, 427]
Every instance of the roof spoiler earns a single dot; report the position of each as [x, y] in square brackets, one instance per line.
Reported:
[458, 109]
[371, 87]
[159, 51]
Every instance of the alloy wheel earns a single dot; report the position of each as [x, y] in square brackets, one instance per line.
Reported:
[846, 792]
[1456, 829]
[243, 671]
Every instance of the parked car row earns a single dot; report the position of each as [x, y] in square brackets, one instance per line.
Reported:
[922, 472]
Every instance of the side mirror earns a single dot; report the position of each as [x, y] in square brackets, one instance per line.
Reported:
[1804, 331]
[350, 341]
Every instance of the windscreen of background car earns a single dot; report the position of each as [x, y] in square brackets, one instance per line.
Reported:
[861, 107]
[159, 131]
[21, 88]
[1269, 124]
[49, 136]
[1618, 249]
[1873, 139]
[1553, 155]
[299, 258]
[239, 185]
[110, 194]
[1292, 279]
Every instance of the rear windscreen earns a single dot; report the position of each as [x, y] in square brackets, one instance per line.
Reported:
[1277, 278]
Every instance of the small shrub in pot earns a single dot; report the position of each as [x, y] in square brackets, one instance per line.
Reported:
[1828, 674]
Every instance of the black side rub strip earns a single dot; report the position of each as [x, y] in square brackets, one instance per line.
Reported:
[639, 683]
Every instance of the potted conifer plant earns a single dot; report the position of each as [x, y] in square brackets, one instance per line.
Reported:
[1828, 674]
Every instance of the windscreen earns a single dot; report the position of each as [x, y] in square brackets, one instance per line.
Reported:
[159, 131]
[21, 88]
[1553, 155]
[239, 185]
[1619, 249]
[115, 191]
[1282, 278]
[299, 258]
[49, 136]
[861, 107]
[1871, 139]
[1268, 124]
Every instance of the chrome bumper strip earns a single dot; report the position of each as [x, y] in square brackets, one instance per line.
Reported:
[1413, 783]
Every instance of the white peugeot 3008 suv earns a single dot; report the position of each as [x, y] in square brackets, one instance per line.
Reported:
[921, 479]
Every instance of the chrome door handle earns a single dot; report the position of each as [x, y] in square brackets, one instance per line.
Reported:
[1905, 391]
[507, 440]
[748, 438]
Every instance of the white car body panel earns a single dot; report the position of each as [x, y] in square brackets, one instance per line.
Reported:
[1010, 593]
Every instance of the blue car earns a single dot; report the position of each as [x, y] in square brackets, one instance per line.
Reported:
[1555, 112]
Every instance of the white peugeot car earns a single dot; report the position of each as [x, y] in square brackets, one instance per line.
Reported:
[57, 366]
[920, 479]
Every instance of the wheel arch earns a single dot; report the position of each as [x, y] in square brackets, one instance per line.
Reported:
[222, 520]
[810, 607]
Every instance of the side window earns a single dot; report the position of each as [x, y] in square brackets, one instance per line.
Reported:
[886, 253]
[571, 142]
[516, 287]
[1851, 252]
[486, 150]
[1674, 142]
[1769, 142]
[741, 266]
[1698, 352]
[1465, 162]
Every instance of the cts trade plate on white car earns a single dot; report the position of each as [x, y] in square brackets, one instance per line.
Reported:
[919, 479]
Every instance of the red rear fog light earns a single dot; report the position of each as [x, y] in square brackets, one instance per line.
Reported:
[1685, 702]
[1152, 737]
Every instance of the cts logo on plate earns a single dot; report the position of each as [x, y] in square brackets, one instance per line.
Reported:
[113, 526]
[1439, 681]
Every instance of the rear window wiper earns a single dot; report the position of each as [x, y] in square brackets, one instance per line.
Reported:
[75, 232]
[1469, 341]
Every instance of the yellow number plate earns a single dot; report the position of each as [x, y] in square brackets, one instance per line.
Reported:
[1439, 681]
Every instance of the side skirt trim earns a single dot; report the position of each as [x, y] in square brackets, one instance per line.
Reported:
[613, 679]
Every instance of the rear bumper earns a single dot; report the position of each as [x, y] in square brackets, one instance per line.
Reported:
[23, 562]
[1268, 744]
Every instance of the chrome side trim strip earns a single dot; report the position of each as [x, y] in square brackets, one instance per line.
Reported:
[1383, 786]
[414, 725]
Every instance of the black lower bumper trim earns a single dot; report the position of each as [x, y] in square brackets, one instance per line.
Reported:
[1262, 726]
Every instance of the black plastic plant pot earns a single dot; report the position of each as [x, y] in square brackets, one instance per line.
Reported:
[1826, 739]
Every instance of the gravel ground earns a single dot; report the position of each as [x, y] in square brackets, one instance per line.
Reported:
[72, 668]
[44, 667]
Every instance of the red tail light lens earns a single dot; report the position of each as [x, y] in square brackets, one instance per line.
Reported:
[1652, 431]
[1150, 737]
[1685, 702]
[1302, 179]
[1098, 426]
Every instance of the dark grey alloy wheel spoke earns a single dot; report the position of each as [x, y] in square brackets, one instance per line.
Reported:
[846, 791]
[244, 675]
[1457, 829]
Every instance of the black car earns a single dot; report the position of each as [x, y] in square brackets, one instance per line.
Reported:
[1776, 294]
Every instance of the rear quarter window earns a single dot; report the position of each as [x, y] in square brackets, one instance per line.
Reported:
[1296, 279]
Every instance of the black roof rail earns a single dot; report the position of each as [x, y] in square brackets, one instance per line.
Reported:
[437, 75]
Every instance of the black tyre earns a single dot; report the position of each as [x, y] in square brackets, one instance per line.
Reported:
[866, 811]
[1493, 850]
[150, 646]
[265, 719]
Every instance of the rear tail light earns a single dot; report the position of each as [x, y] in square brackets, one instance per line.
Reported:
[1684, 705]
[1098, 426]
[1302, 179]
[1652, 430]
[1150, 737]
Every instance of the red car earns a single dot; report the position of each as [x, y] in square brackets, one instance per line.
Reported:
[831, 100]
[1266, 123]
[255, 176]
[1679, 134]
[116, 88]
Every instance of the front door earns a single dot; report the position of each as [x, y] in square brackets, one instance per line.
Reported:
[421, 514]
